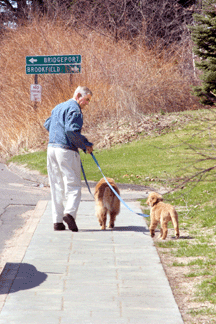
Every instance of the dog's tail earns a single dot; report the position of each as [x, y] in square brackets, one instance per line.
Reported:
[110, 201]
[174, 217]
[108, 198]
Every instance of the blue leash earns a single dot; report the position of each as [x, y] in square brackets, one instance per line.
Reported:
[83, 172]
[117, 195]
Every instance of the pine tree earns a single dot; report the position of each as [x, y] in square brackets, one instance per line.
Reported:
[204, 38]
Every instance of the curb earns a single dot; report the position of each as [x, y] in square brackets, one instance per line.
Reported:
[35, 176]
[27, 174]
[11, 268]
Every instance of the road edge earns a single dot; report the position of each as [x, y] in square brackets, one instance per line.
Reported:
[11, 268]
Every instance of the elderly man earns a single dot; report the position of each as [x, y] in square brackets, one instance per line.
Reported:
[63, 159]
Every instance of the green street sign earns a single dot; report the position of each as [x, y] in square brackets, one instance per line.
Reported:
[53, 69]
[53, 59]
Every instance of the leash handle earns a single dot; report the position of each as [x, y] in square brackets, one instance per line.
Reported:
[117, 195]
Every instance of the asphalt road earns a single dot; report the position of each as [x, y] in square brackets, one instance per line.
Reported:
[17, 196]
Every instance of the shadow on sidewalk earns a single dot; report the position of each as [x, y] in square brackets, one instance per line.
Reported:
[20, 276]
[141, 229]
[131, 229]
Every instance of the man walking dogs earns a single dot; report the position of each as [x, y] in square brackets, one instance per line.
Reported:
[63, 159]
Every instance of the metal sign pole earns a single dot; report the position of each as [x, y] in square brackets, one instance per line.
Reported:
[71, 80]
[36, 82]
[36, 79]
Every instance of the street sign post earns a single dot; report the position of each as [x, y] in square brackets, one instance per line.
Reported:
[53, 69]
[53, 64]
[53, 59]
[50, 64]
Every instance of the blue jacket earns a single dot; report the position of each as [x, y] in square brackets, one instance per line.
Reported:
[64, 127]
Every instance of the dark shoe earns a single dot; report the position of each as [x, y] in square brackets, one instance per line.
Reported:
[71, 222]
[59, 227]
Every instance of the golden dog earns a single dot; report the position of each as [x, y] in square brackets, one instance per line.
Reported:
[163, 213]
[106, 201]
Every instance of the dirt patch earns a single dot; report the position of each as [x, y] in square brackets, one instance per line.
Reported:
[127, 130]
[184, 287]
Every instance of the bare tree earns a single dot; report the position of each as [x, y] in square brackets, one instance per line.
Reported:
[200, 154]
[153, 20]
[163, 20]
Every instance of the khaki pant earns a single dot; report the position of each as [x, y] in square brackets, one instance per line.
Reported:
[65, 181]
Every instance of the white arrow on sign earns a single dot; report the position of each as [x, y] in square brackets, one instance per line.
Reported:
[33, 60]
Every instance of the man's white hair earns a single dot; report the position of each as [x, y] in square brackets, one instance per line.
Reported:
[83, 91]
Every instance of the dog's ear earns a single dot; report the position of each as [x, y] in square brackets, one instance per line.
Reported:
[159, 198]
[154, 198]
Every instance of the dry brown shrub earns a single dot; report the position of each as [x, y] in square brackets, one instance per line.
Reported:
[126, 81]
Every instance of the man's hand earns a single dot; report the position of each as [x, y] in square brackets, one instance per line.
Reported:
[89, 149]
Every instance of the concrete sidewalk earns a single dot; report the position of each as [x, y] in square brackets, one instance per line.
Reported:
[89, 277]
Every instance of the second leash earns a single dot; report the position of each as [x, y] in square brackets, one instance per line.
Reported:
[117, 195]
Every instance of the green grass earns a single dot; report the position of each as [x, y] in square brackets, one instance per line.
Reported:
[194, 250]
[204, 311]
[178, 264]
[207, 290]
[167, 161]
[34, 161]
[158, 160]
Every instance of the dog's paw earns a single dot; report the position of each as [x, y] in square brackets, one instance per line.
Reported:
[111, 225]
[103, 228]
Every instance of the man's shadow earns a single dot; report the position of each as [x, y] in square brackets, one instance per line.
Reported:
[20, 276]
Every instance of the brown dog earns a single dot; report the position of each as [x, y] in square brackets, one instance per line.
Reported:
[106, 201]
[163, 213]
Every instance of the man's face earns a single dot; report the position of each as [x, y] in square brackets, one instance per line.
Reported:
[84, 101]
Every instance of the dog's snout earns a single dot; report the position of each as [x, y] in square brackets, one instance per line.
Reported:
[149, 201]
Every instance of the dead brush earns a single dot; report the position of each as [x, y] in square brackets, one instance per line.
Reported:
[126, 81]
